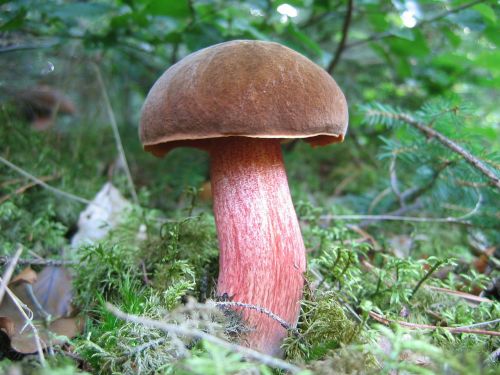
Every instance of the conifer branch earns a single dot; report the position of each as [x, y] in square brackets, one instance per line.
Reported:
[469, 158]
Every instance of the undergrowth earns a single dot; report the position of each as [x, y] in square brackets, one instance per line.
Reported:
[162, 263]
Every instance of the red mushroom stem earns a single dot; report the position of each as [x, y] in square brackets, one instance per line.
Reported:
[262, 254]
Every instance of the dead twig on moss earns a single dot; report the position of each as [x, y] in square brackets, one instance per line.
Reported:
[23, 188]
[262, 310]
[456, 293]
[454, 330]
[416, 219]
[198, 334]
[43, 184]
[39, 262]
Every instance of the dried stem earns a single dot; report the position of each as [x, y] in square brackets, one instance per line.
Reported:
[262, 310]
[23, 188]
[38, 262]
[454, 330]
[116, 133]
[7, 275]
[395, 181]
[482, 324]
[198, 334]
[43, 184]
[450, 220]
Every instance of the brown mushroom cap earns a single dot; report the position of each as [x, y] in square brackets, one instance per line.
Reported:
[242, 88]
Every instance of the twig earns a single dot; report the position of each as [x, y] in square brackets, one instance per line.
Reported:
[7, 275]
[394, 181]
[450, 220]
[476, 207]
[147, 345]
[39, 308]
[23, 188]
[455, 330]
[413, 193]
[38, 262]
[377, 199]
[262, 310]
[198, 334]
[343, 39]
[43, 184]
[482, 324]
[437, 17]
[14, 48]
[116, 133]
[466, 296]
[20, 307]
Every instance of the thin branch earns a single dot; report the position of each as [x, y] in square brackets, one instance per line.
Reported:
[34, 300]
[343, 38]
[415, 219]
[116, 133]
[479, 203]
[455, 330]
[482, 324]
[467, 296]
[18, 47]
[394, 181]
[38, 262]
[7, 275]
[262, 310]
[469, 158]
[147, 345]
[23, 188]
[198, 334]
[435, 18]
[43, 184]
[413, 193]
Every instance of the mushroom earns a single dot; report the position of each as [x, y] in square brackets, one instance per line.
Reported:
[238, 101]
[41, 103]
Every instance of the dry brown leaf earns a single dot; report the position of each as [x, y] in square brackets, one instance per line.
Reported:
[27, 275]
[48, 296]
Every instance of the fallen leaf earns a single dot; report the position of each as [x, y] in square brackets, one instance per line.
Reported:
[53, 291]
[27, 275]
[101, 215]
[48, 298]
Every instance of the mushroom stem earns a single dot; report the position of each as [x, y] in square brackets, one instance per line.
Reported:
[262, 254]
